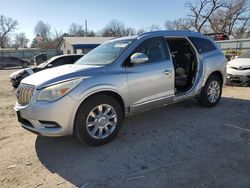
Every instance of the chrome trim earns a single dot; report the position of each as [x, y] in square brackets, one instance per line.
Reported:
[24, 94]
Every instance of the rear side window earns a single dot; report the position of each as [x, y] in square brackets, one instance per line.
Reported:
[61, 61]
[202, 45]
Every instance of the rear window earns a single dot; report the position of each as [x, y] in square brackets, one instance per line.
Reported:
[202, 45]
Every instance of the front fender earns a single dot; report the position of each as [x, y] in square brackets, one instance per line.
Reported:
[98, 89]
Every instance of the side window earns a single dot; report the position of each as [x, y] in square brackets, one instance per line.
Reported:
[75, 58]
[60, 61]
[68, 60]
[154, 48]
[202, 45]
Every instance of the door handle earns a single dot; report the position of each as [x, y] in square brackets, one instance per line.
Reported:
[167, 72]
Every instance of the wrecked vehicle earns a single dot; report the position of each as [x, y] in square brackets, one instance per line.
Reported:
[238, 70]
[17, 76]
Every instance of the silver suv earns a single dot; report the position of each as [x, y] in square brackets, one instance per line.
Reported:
[90, 98]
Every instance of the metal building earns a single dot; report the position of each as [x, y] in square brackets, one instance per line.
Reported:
[236, 45]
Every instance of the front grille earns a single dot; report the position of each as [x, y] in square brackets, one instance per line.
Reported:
[24, 94]
[241, 68]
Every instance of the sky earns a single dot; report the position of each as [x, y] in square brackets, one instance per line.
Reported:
[59, 14]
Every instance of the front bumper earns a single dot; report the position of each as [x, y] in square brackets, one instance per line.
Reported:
[238, 77]
[48, 118]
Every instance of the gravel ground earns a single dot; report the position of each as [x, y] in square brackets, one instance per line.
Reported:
[181, 145]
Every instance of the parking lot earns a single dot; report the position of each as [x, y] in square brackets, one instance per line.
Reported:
[181, 145]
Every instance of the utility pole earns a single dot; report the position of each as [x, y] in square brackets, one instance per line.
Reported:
[86, 28]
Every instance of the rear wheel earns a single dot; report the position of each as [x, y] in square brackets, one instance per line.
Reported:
[211, 92]
[98, 120]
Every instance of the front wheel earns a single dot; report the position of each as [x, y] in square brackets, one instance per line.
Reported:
[211, 93]
[98, 120]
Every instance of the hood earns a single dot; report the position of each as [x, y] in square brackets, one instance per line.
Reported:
[57, 74]
[239, 62]
[18, 73]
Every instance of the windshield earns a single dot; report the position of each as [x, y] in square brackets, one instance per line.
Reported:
[106, 53]
[245, 54]
[44, 64]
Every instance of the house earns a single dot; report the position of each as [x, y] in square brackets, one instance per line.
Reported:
[80, 45]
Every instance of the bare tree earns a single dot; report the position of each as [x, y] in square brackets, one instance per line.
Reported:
[76, 30]
[129, 31]
[236, 13]
[57, 34]
[235, 17]
[153, 27]
[91, 33]
[42, 29]
[44, 39]
[179, 24]
[218, 22]
[242, 30]
[7, 25]
[201, 11]
[114, 29]
[141, 31]
[21, 41]
[150, 28]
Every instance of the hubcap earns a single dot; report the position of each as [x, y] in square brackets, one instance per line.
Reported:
[101, 121]
[213, 92]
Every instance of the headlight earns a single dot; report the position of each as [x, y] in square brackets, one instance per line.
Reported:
[56, 91]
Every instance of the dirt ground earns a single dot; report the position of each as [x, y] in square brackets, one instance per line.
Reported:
[181, 145]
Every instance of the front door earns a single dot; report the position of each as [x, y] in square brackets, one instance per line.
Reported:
[151, 83]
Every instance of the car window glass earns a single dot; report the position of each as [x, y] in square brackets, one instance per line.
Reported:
[75, 58]
[202, 45]
[63, 61]
[154, 48]
[57, 62]
[68, 60]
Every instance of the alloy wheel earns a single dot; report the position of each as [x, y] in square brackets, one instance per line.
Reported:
[213, 91]
[101, 121]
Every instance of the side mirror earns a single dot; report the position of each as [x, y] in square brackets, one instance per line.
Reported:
[138, 58]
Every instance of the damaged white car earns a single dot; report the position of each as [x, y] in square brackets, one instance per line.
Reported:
[238, 70]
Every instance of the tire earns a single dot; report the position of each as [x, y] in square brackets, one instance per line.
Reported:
[91, 121]
[15, 85]
[25, 65]
[1, 67]
[206, 99]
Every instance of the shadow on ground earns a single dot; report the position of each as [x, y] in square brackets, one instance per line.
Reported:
[181, 145]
